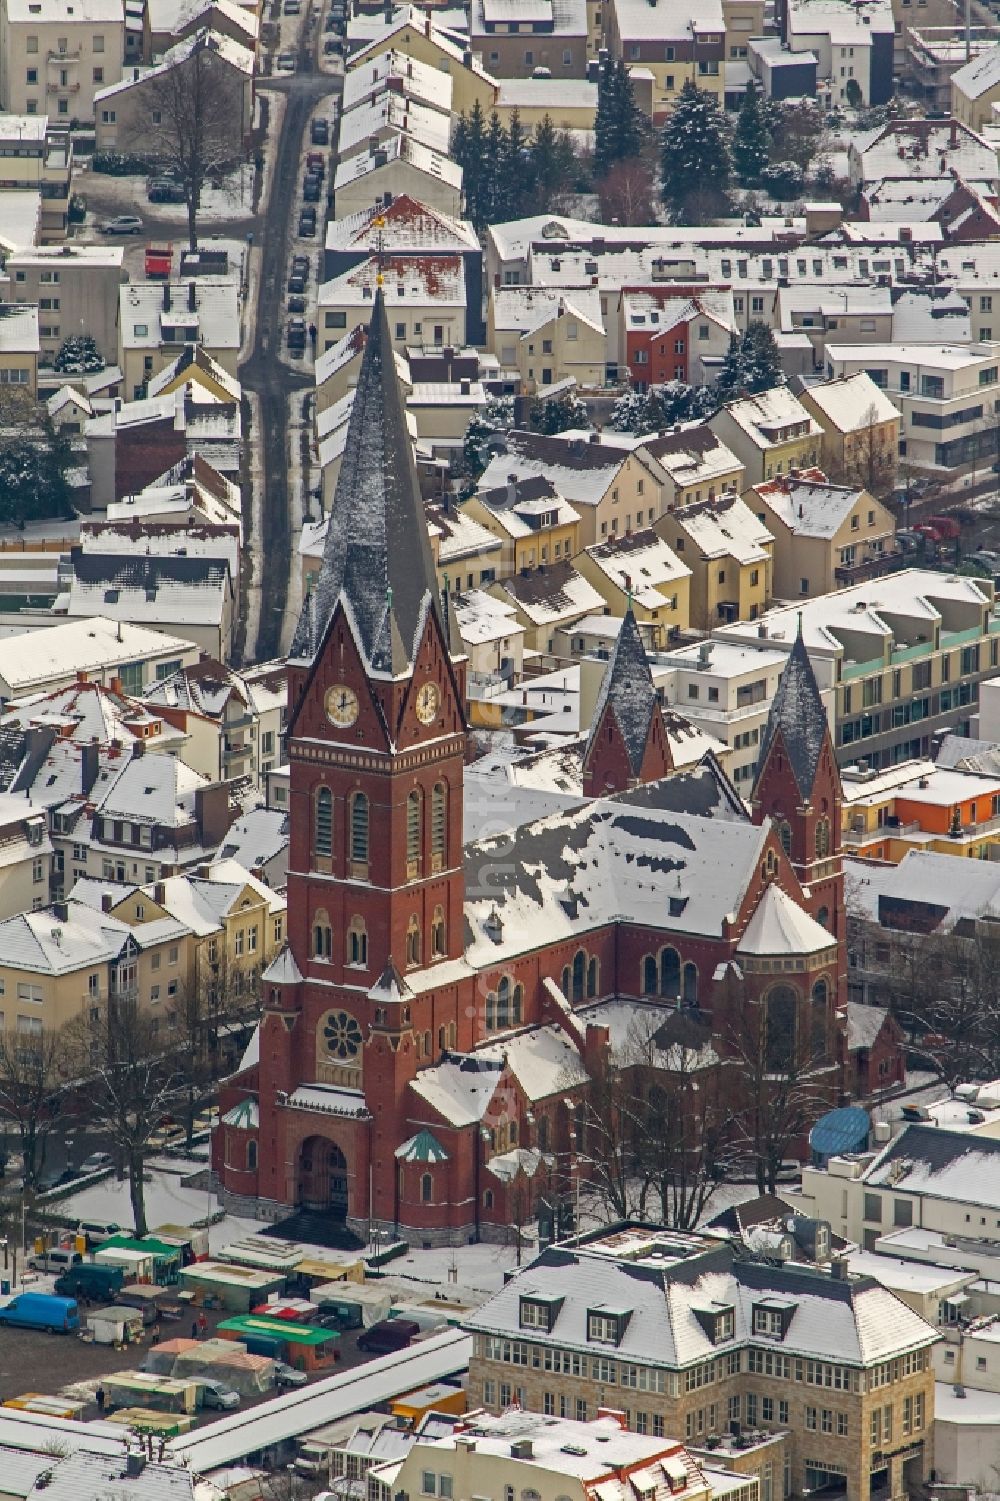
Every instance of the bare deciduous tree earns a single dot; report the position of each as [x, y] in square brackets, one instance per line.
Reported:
[30, 1092]
[872, 462]
[198, 129]
[134, 1075]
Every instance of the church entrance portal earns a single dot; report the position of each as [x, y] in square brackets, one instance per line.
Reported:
[323, 1177]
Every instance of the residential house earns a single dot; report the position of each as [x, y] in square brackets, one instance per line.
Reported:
[640, 571]
[492, 638]
[55, 58]
[547, 600]
[860, 430]
[418, 34]
[976, 88]
[75, 287]
[399, 167]
[25, 856]
[855, 315]
[157, 320]
[129, 111]
[405, 76]
[787, 1351]
[825, 535]
[233, 723]
[426, 300]
[902, 662]
[390, 114]
[465, 552]
[38, 158]
[853, 45]
[20, 346]
[673, 336]
[607, 485]
[132, 445]
[548, 34]
[410, 227]
[690, 463]
[196, 371]
[770, 434]
[98, 650]
[730, 554]
[570, 103]
[674, 41]
[165, 22]
[547, 336]
[917, 805]
[190, 595]
[912, 150]
[535, 524]
[943, 393]
[336, 369]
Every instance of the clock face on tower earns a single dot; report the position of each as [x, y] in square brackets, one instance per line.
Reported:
[428, 700]
[341, 705]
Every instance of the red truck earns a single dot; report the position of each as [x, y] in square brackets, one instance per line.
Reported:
[159, 260]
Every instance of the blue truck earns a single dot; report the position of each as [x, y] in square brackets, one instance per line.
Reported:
[41, 1311]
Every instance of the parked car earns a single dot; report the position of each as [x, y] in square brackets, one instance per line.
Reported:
[315, 162]
[95, 1161]
[388, 1335]
[301, 263]
[297, 282]
[331, 23]
[311, 189]
[287, 1375]
[285, 62]
[97, 1231]
[122, 224]
[54, 1260]
[292, 8]
[91, 1280]
[41, 1311]
[296, 333]
[307, 223]
[53, 1177]
[296, 304]
[319, 131]
[332, 44]
[165, 190]
[214, 1394]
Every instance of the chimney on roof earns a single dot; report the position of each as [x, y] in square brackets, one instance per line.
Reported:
[464, 388]
[593, 437]
[90, 757]
[467, 58]
[138, 749]
[192, 297]
[159, 893]
[105, 901]
[954, 134]
[166, 297]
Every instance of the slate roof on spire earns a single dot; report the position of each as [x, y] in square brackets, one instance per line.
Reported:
[628, 688]
[377, 555]
[798, 712]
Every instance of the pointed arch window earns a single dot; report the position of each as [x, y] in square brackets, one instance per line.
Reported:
[592, 978]
[820, 1017]
[780, 1026]
[517, 1005]
[503, 1002]
[579, 974]
[649, 977]
[689, 987]
[426, 1188]
[357, 943]
[439, 825]
[359, 830]
[251, 1156]
[491, 1010]
[427, 1044]
[323, 832]
[414, 812]
[412, 943]
[438, 937]
[567, 981]
[822, 839]
[322, 944]
[670, 974]
[785, 835]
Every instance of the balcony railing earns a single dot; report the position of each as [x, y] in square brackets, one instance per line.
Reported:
[869, 568]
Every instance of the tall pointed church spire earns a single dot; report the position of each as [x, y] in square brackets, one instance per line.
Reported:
[626, 720]
[798, 715]
[377, 556]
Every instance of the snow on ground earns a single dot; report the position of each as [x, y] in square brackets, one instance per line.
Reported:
[168, 1202]
[480, 1268]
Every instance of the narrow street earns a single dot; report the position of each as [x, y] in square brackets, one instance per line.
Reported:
[264, 373]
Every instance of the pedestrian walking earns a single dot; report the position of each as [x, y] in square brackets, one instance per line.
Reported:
[99, 1398]
[154, 1334]
[194, 1328]
[202, 1324]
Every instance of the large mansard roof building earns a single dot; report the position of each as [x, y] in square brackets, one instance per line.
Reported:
[439, 1002]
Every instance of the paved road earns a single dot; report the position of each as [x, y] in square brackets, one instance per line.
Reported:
[264, 372]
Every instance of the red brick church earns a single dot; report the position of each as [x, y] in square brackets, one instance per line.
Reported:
[440, 999]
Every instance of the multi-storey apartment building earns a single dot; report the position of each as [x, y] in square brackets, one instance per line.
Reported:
[690, 1339]
[55, 56]
[677, 42]
[75, 288]
[903, 657]
[946, 394]
[770, 434]
[38, 155]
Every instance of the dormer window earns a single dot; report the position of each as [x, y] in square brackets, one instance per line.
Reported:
[606, 1326]
[772, 1318]
[539, 1312]
[718, 1321]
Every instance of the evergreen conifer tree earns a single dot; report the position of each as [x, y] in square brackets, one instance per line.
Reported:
[752, 140]
[695, 160]
[515, 168]
[618, 128]
[752, 364]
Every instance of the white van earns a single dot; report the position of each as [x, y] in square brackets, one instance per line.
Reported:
[54, 1260]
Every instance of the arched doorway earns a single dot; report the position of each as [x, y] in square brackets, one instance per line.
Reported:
[323, 1177]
